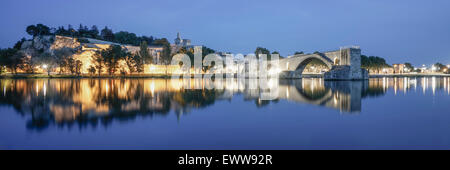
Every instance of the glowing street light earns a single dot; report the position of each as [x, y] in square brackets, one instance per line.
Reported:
[45, 66]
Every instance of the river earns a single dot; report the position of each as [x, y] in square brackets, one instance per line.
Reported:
[309, 113]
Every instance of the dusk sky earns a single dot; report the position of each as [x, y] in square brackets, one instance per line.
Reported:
[400, 31]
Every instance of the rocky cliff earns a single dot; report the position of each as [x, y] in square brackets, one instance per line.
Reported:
[85, 50]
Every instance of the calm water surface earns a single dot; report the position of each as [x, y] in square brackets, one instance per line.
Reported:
[382, 113]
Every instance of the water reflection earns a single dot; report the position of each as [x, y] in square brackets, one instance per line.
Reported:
[64, 102]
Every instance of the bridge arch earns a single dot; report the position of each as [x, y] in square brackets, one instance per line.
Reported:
[298, 62]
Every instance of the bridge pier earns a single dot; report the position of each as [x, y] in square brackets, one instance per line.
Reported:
[349, 67]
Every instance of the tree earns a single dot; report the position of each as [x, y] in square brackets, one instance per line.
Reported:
[2, 69]
[440, 67]
[91, 69]
[206, 51]
[111, 57]
[138, 63]
[32, 30]
[74, 66]
[98, 61]
[107, 34]
[124, 37]
[166, 52]
[71, 65]
[94, 31]
[261, 50]
[165, 56]
[373, 63]
[5, 56]
[38, 30]
[16, 61]
[3, 60]
[131, 63]
[299, 52]
[43, 29]
[144, 53]
[71, 31]
[409, 66]
[78, 65]
[62, 56]
[62, 31]
[27, 65]
[149, 40]
[365, 62]
[83, 31]
[11, 58]
[19, 43]
[46, 61]
[29, 61]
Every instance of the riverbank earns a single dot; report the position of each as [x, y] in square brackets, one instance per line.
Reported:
[409, 75]
[385, 75]
[40, 75]
[31, 76]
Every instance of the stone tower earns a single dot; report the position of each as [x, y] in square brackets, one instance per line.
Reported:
[178, 40]
[349, 67]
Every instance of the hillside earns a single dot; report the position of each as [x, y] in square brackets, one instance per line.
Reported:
[84, 50]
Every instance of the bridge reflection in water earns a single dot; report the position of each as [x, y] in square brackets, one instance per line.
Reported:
[93, 101]
[342, 95]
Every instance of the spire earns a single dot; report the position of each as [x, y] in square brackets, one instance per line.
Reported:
[178, 35]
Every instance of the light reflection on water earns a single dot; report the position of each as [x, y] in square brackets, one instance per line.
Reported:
[48, 103]
[69, 99]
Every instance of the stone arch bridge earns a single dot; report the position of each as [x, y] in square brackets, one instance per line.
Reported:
[344, 64]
